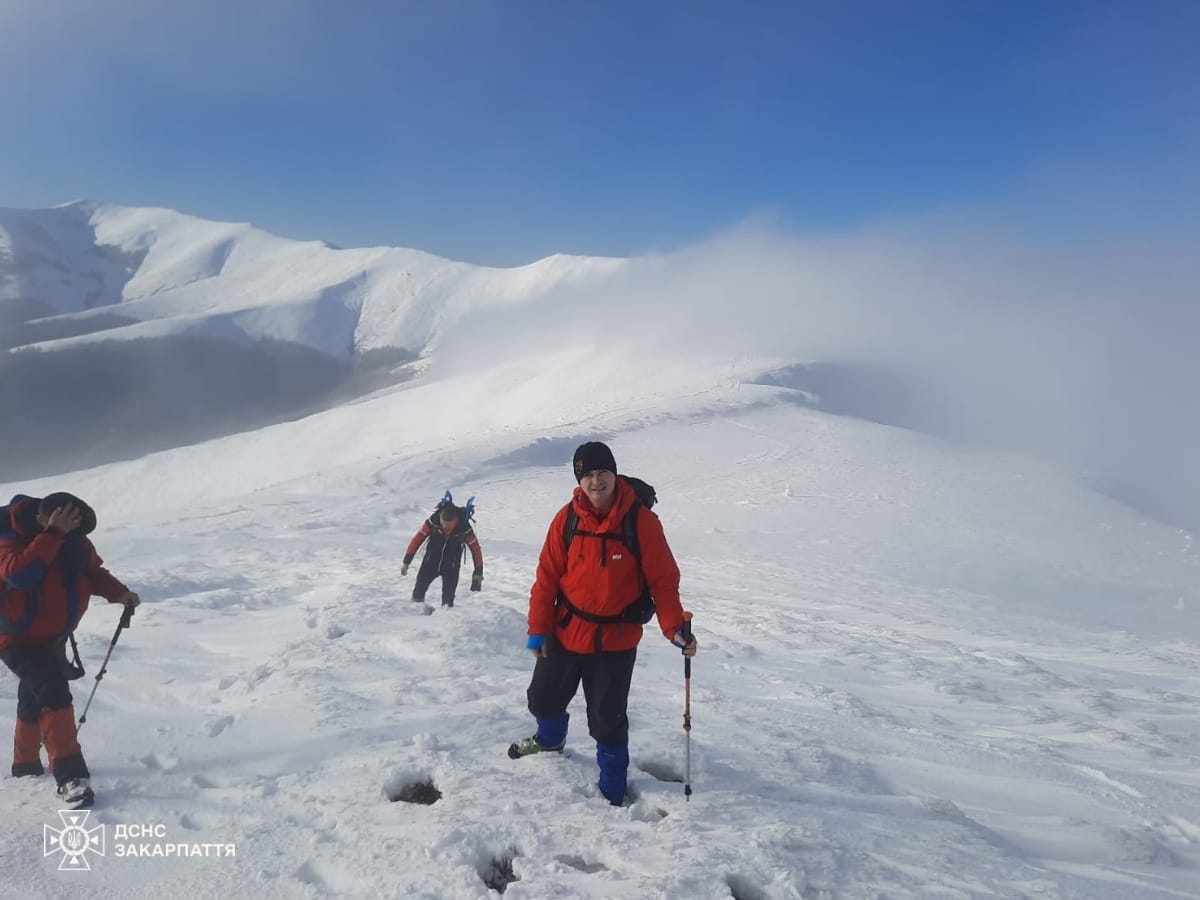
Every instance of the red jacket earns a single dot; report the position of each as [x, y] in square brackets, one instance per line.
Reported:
[38, 605]
[603, 587]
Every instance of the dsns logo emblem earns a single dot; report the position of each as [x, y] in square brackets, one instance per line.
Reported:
[74, 840]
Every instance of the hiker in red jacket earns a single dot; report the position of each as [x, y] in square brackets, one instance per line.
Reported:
[448, 531]
[48, 573]
[586, 611]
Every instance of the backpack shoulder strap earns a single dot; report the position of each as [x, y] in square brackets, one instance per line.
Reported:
[570, 524]
[629, 527]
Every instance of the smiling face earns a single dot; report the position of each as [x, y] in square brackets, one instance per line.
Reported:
[600, 487]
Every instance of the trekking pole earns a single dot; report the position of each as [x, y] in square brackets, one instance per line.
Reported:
[124, 623]
[687, 707]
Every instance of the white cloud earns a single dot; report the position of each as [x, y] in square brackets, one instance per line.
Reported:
[1081, 353]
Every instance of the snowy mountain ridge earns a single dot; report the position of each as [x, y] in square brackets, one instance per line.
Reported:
[169, 274]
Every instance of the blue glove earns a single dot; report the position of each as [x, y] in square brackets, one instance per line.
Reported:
[535, 642]
[688, 647]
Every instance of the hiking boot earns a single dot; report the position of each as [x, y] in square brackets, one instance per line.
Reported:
[631, 797]
[529, 746]
[447, 603]
[20, 770]
[76, 793]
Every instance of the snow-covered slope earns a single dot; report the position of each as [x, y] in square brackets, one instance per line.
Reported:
[157, 329]
[176, 274]
[924, 670]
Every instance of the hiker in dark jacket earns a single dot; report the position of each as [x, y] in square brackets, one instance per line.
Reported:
[448, 531]
[596, 577]
[49, 571]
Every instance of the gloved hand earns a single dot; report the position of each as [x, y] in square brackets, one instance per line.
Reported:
[129, 598]
[477, 581]
[536, 644]
[404, 568]
[689, 649]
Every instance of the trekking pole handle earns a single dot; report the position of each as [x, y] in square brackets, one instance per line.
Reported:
[686, 631]
[127, 615]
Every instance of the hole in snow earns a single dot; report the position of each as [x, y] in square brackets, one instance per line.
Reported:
[741, 889]
[498, 873]
[423, 792]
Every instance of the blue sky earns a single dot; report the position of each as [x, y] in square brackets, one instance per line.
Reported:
[500, 131]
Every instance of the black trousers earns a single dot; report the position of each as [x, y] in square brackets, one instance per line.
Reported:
[429, 571]
[42, 682]
[606, 678]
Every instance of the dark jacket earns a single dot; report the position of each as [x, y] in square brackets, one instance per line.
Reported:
[445, 544]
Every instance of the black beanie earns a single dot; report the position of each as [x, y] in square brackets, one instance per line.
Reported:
[87, 516]
[592, 456]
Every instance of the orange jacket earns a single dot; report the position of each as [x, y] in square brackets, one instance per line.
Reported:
[38, 605]
[603, 585]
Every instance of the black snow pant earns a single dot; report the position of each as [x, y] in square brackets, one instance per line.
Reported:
[606, 678]
[44, 705]
[42, 683]
[433, 566]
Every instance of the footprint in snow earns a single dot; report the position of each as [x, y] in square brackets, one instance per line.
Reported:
[578, 862]
[661, 770]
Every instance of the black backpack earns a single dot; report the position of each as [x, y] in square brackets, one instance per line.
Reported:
[466, 514]
[641, 610]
